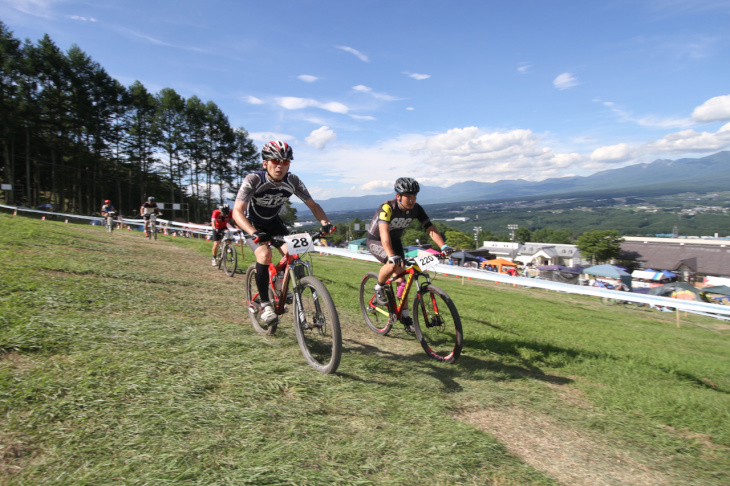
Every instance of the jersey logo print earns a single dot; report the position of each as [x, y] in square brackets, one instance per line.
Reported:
[400, 223]
[386, 213]
[271, 200]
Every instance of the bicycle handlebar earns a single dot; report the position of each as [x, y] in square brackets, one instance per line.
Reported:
[280, 239]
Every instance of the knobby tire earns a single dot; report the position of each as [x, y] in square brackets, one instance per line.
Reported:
[377, 317]
[317, 326]
[230, 259]
[254, 305]
[437, 324]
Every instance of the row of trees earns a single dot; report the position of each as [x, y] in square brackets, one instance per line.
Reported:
[72, 136]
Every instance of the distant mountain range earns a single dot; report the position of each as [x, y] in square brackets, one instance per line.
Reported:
[706, 174]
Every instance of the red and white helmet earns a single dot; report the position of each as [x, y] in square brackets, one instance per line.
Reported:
[277, 150]
[107, 201]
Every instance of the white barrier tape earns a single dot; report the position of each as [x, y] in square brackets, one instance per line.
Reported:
[170, 224]
[704, 308]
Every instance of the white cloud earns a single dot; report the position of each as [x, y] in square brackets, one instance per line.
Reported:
[524, 67]
[334, 107]
[354, 52]
[264, 137]
[307, 78]
[649, 121]
[363, 117]
[253, 100]
[410, 108]
[565, 81]
[83, 19]
[380, 96]
[294, 103]
[37, 8]
[691, 141]
[321, 137]
[612, 153]
[714, 109]
[417, 76]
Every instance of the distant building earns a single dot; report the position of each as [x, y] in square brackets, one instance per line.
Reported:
[536, 254]
[692, 258]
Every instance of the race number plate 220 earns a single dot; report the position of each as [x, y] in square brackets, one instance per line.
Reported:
[426, 261]
[297, 244]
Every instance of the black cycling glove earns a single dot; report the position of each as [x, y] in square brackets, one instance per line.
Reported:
[395, 259]
[261, 237]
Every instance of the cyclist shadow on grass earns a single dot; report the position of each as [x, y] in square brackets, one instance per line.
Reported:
[394, 362]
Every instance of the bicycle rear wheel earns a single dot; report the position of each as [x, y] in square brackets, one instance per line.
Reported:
[230, 259]
[608, 301]
[317, 326]
[377, 317]
[253, 304]
[437, 324]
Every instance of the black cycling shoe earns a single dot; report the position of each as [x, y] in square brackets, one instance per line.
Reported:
[408, 324]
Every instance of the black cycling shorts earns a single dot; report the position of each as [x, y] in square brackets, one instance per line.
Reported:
[376, 249]
[218, 234]
[274, 228]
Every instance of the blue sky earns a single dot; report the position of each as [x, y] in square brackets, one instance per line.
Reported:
[367, 91]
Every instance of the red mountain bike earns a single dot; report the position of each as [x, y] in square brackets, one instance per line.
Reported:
[316, 322]
[435, 318]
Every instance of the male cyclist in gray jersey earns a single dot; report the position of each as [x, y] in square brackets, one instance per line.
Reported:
[258, 203]
[385, 231]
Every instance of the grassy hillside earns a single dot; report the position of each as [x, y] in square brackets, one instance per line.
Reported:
[124, 361]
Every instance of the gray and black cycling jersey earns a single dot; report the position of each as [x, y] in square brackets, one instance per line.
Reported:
[265, 198]
[396, 218]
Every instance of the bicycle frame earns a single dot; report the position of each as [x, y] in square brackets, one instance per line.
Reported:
[286, 264]
[412, 273]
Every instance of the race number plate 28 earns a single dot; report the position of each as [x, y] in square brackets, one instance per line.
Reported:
[426, 261]
[297, 244]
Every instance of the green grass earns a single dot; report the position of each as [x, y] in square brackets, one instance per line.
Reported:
[124, 361]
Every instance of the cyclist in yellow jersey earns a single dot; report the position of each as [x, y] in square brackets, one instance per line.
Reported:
[385, 232]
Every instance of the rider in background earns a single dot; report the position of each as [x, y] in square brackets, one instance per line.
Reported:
[385, 232]
[148, 208]
[219, 220]
[107, 208]
[261, 197]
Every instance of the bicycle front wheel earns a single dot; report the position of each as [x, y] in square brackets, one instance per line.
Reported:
[317, 326]
[219, 256]
[253, 304]
[377, 317]
[437, 324]
[608, 301]
[230, 259]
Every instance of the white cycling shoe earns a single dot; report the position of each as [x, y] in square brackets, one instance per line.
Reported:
[268, 315]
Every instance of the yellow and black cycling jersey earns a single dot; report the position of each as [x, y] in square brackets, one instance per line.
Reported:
[396, 218]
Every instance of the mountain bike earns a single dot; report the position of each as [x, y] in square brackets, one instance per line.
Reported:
[316, 322]
[436, 321]
[625, 303]
[110, 215]
[152, 227]
[611, 301]
[227, 256]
